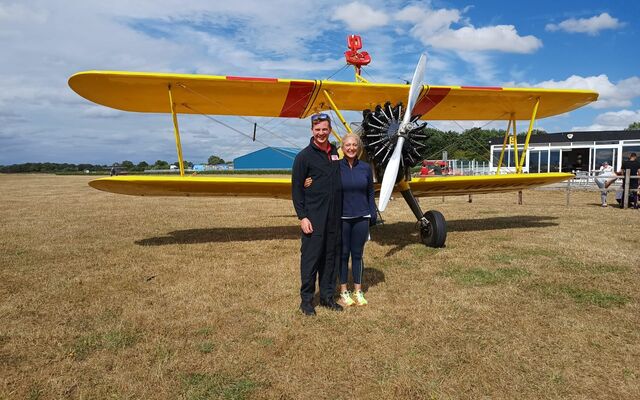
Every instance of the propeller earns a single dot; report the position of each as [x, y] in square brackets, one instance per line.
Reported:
[391, 171]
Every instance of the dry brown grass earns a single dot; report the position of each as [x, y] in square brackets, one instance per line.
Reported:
[107, 296]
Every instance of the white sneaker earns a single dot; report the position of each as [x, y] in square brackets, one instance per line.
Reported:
[345, 299]
[359, 298]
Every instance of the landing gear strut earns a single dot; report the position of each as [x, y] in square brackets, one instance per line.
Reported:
[433, 227]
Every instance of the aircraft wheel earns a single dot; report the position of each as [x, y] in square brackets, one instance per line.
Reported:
[434, 234]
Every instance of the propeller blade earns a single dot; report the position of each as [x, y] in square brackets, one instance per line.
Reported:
[416, 86]
[391, 172]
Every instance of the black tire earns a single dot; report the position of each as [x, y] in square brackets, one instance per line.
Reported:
[435, 233]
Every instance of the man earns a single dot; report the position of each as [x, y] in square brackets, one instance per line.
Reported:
[605, 171]
[632, 164]
[319, 209]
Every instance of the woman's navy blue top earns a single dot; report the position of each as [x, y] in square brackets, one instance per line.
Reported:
[357, 190]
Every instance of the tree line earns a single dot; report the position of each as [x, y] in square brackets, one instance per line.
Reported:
[472, 144]
[126, 165]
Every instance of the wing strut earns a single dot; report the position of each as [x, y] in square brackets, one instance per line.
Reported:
[519, 158]
[504, 143]
[338, 113]
[526, 140]
[176, 131]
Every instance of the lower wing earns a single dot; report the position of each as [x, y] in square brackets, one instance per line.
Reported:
[280, 188]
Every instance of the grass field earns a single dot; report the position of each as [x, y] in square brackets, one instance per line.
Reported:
[114, 297]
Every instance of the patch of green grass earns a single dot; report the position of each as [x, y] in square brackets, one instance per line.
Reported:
[583, 296]
[239, 390]
[205, 386]
[481, 277]
[35, 393]
[114, 340]
[119, 339]
[570, 263]
[537, 252]
[163, 353]
[595, 297]
[266, 342]
[606, 268]
[502, 258]
[424, 251]
[595, 268]
[204, 331]
[85, 345]
[205, 347]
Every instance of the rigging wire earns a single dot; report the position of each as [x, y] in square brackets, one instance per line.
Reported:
[295, 145]
[238, 131]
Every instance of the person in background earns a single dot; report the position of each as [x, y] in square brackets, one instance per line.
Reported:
[605, 170]
[319, 210]
[358, 213]
[633, 165]
[424, 170]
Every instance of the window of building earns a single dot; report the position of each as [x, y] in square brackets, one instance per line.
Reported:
[544, 161]
[626, 150]
[534, 162]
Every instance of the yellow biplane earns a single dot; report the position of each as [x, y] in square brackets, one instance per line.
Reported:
[390, 131]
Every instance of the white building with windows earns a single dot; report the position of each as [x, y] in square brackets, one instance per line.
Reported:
[568, 151]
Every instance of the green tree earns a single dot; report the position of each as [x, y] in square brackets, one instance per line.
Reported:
[160, 164]
[214, 160]
[634, 126]
[128, 165]
[142, 165]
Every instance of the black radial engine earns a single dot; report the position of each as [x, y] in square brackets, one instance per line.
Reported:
[380, 135]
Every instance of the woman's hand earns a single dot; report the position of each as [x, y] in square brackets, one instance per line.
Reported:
[308, 182]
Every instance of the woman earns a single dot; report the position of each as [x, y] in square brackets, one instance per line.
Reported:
[358, 212]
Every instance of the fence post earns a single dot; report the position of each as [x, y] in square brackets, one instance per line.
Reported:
[625, 193]
[568, 191]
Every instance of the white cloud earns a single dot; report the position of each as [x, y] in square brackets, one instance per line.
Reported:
[620, 94]
[591, 26]
[360, 17]
[503, 38]
[613, 120]
[434, 28]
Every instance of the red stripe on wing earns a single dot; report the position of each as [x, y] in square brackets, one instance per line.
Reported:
[297, 99]
[433, 97]
[250, 79]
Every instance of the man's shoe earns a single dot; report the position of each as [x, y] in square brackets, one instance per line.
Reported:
[331, 305]
[307, 309]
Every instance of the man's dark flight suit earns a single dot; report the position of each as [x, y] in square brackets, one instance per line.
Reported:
[321, 203]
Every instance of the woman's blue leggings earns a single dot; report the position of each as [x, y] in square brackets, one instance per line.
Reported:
[354, 235]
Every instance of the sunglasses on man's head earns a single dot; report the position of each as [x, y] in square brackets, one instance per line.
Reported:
[320, 117]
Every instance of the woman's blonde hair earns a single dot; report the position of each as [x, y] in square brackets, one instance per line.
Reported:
[356, 138]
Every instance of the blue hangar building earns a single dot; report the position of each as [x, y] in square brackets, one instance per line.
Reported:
[267, 158]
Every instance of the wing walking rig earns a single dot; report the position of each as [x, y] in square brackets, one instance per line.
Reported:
[391, 130]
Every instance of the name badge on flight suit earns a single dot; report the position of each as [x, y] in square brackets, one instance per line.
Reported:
[334, 157]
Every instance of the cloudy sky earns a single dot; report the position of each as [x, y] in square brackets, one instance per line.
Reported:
[558, 44]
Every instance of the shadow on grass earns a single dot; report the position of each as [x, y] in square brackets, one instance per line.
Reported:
[194, 236]
[398, 234]
[401, 234]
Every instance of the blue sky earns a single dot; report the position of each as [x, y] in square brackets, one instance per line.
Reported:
[562, 44]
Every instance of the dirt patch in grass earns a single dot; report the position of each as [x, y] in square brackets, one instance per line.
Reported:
[107, 296]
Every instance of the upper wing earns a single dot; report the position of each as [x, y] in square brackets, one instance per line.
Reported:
[270, 97]
[281, 187]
